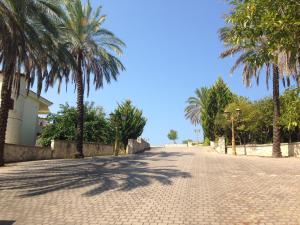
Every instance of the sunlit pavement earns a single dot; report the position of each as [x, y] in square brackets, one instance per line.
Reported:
[163, 186]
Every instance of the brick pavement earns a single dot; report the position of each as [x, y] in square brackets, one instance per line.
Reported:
[163, 186]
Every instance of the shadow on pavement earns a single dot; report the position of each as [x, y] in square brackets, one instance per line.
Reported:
[101, 173]
[7, 222]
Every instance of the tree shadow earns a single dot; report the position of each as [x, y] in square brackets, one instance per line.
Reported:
[101, 174]
[7, 222]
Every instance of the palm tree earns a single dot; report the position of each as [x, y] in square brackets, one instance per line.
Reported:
[93, 49]
[254, 59]
[197, 105]
[27, 45]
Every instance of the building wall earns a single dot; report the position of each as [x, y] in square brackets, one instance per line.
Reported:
[30, 122]
[15, 118]
[22, 120]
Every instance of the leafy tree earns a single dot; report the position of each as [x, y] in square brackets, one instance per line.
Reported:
[127, 122]
[206, 105]
[173, 136]
[93, 49]
[264, 133]
[62, 127]
[290, 119]
[28, 33]
[220, 97]
[255, 123]
[221, 126]
[251, 32]
[246, 122]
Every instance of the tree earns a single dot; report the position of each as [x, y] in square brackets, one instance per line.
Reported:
[290, 119]
[93, 49]
[252, 32]
[206, 105]
[253, 59]
[264, 134]
[196, 110]
[173, 136]
[127, 122]
[246, 122]
[220, 96]
[62, 127]
[27, 45]
[197, 106]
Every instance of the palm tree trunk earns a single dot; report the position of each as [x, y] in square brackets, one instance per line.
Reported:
[80, 108]
[4, 110]
[276, 103]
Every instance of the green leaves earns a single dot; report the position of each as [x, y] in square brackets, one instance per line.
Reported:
[127, 122]
[172, 135]
[62, 125]
[98, 46]
[268, 28]
[29, 41]
[290, 101]
[206, 105]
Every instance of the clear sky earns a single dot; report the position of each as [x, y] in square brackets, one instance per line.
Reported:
[172, 49]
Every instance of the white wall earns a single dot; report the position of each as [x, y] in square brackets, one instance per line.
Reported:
[29, 125]
[14, 123]
[22, 120]
[176, 145]
[292, 149]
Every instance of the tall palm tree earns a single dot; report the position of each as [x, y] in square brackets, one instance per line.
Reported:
[197, 105]
[254, 59]
[93, 48]
[27, 45]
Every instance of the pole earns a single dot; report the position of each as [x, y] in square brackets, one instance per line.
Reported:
[116, 153]
[233, 137]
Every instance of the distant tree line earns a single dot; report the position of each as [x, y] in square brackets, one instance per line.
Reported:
[126, 122]
[255, 122]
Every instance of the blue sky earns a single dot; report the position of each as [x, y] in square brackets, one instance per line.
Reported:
[172, 49]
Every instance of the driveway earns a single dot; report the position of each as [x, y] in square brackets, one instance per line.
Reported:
[162, 186]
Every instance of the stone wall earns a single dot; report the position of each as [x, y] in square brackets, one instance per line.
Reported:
[288, 150]
[67, 149]
[220, 145]
[137, 146]
[58, 150]
[20, 153]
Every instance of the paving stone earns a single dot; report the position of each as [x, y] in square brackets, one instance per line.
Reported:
[163, 186]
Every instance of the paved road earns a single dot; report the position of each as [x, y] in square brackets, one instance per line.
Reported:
[163, 186]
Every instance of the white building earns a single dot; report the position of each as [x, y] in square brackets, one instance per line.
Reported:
[23, 120]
